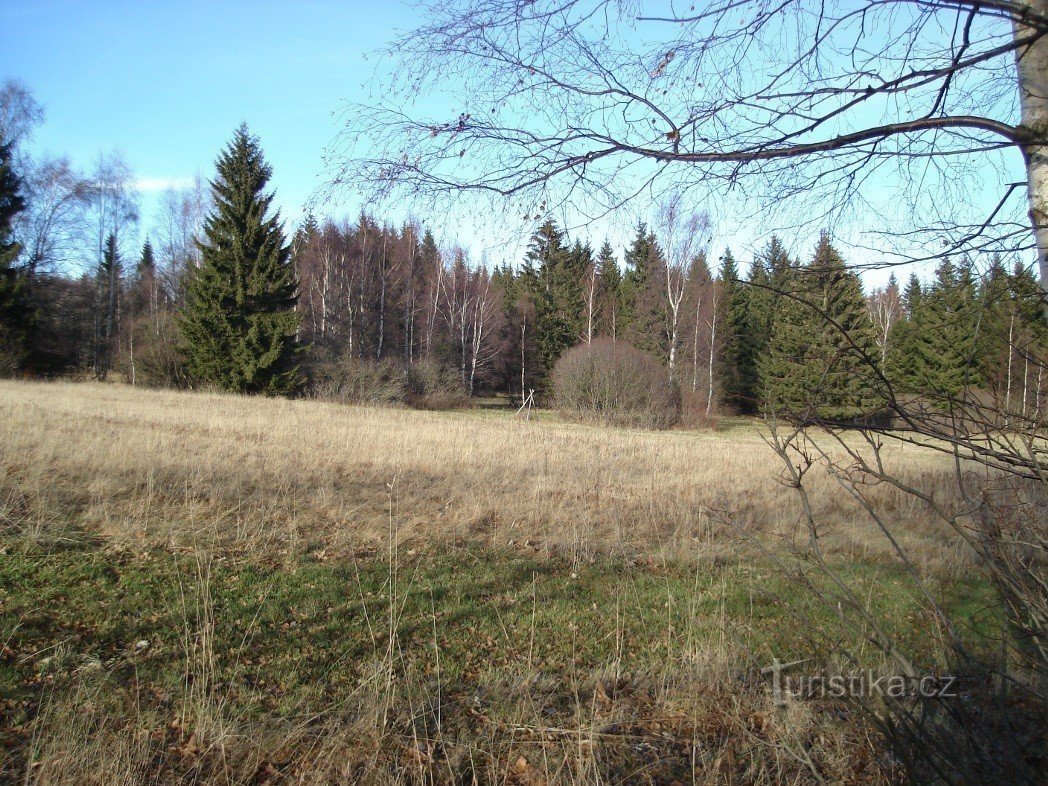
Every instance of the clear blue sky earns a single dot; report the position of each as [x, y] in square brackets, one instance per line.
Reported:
[167, 82]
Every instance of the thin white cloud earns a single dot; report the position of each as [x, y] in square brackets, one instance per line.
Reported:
[150, 184]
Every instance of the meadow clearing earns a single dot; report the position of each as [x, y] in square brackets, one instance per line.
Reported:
[212, 588]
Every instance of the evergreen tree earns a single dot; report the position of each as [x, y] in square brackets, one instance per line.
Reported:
[748, 305]
[776, 260]
[761, 304]
[643, 304]
[1026, 340]
[995, 323]
[145, 290]
[609, 303]
[945, 335]
[900, 361]
[911, 296]
[239, 323]
[553, 276]
[307, 230]
[108, 283]
[1029, 300]
[14, 309]
[147, 262]
[736, 358]
[818, 363]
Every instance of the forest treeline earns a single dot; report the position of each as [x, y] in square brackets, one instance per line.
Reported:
[363, 309]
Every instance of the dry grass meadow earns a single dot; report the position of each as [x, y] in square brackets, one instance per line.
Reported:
[167, 468]
[205, 588]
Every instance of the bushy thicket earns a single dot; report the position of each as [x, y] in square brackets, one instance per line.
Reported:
[353, 380]
[429, 385]
[609, 381]
[152, 357]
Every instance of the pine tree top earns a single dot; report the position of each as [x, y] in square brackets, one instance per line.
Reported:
[147, 262]
[729, 270]
[238, 190]
[776, 259]
[11, 204]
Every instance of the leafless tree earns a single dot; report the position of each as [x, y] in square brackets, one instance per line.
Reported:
[113, 211]
[885, 310]
[591, 282]
[897, 115]
[470, 309]
[808, 108]
[179, 229]
[683, 235]
[19, 113]
[51, 228]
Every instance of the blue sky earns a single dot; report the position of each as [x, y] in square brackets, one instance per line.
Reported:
[167, 82]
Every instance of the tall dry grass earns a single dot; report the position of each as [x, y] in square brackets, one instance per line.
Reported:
[273, 477]
[171, 468]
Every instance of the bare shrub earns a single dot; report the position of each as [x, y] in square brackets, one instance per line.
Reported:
[149, 353]
[608, 381]
[10, 359]
[695, 413]
[351, 380]
[432, 386]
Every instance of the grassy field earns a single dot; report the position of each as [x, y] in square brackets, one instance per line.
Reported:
[208, 588]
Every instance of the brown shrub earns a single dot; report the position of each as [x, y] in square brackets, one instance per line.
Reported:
[611, 382]
[693, 411]
[433, 386]
[351, 380]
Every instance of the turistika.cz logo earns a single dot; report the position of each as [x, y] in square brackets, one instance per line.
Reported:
[853, 685]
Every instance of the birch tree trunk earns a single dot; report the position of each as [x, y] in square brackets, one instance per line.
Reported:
[1032, 70]
[324, 293]
[713, 349]
[695, 344]
[382, 272]
[523, 366]
[433, 312]
[1008, 379]
[589, 304]
[131, 347]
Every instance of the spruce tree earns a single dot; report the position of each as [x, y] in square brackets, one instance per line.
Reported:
[900, 363]
[14, 308]
[911, 295]
[945, 336]
[108, 285]
[239, 324]
[775, 259]
[761, 304]
[553, 274]
[609, 303]
[643, 307]
[818, 363]
[736, 358]
[145, 292]
[147, 262]
[749, 308]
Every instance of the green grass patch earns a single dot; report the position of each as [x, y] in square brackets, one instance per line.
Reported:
[283, 637]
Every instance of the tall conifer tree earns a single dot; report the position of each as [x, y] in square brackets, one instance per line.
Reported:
[818, 362]
[239, 323]
[736, 358]
[945, 335]
[643, 305]
[14, 311]
[609, 301]
[553, 276]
